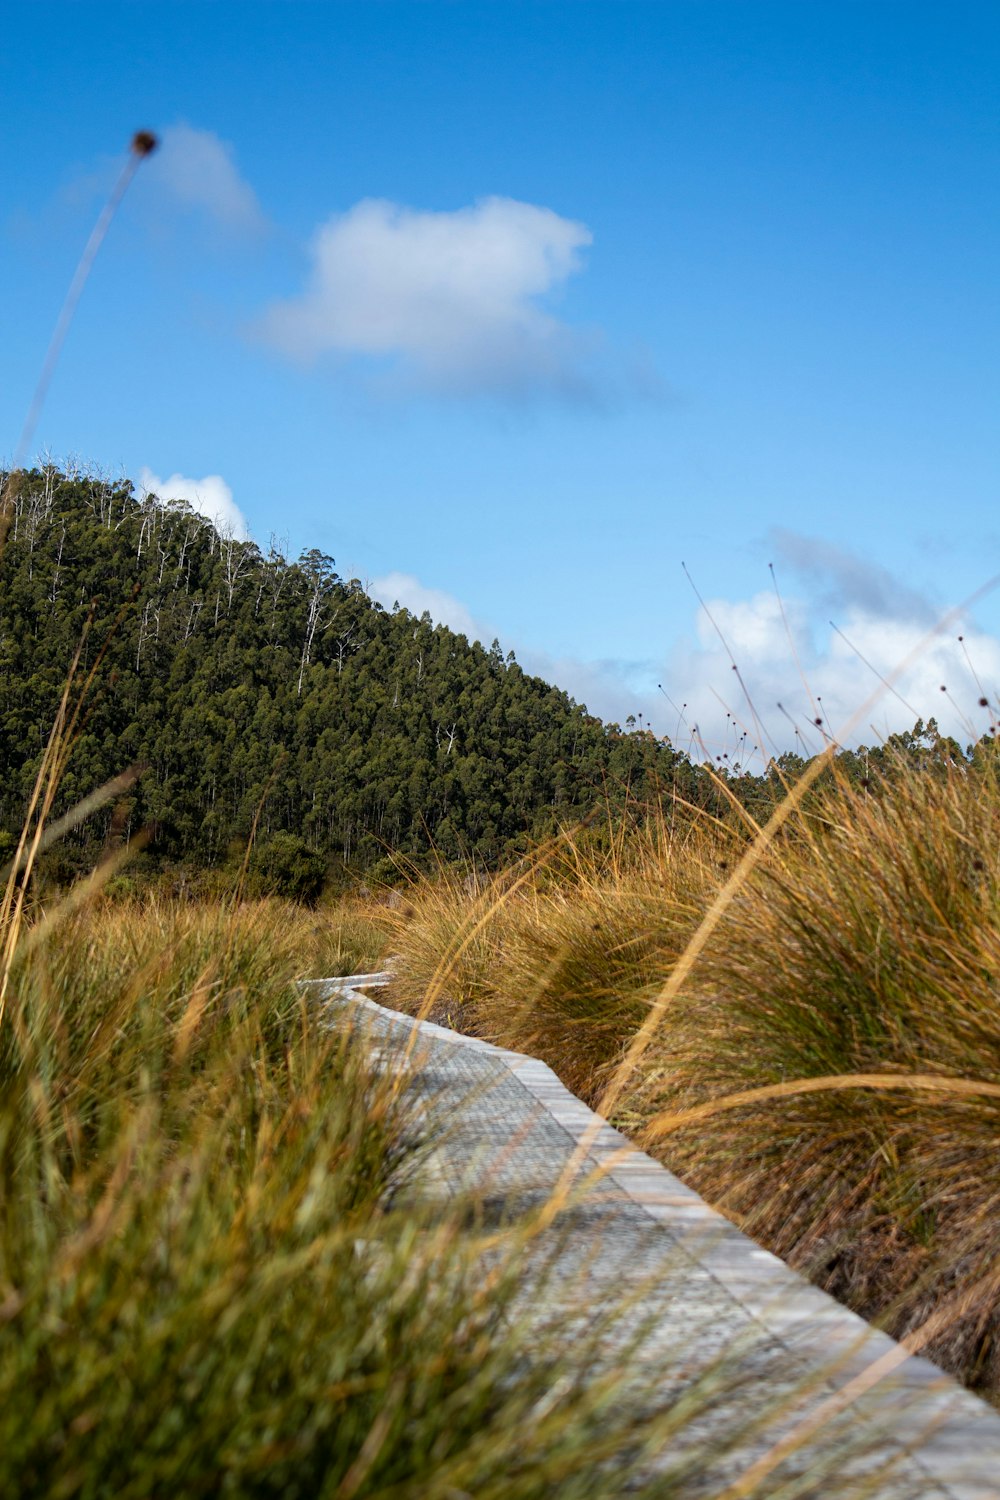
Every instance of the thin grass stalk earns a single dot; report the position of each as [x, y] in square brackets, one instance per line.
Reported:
[40, 803]
[141, 146]
[453, 953]
[882, 1367]
[257, 813]
[86, 890]
[667, 1121]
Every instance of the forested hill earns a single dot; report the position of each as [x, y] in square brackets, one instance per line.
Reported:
[250, 683]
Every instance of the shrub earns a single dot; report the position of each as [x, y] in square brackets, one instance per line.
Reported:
[285, 865]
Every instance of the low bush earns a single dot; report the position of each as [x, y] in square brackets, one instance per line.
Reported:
[286, 865]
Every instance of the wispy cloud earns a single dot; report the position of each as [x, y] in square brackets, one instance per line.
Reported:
[450, 302]
[444, 609]
[196, 171]
[210, 497]
[845, 578]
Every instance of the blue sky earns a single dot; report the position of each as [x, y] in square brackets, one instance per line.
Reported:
[513, 308]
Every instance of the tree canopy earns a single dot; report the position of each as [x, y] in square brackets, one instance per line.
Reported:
[269, 695]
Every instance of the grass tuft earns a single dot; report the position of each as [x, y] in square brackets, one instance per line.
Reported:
[860, 947]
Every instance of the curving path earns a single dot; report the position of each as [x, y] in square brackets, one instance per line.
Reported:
[768, 1366]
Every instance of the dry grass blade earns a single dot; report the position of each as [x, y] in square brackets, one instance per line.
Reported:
[84, 892]
[32, 829]
[668, 1121]
[55, 758]
[142, 145]
[760, 1471]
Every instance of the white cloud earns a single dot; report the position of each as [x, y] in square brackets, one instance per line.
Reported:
[447, 300]
[197, 170]
[210, 497]
[884, 636]
[444, 609]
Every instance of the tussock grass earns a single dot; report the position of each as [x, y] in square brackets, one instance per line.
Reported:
[563, 959]
[866, 941]
[206, 1284]
[202, 1289]
[185, 1166]
[346, 937]
[566, 966]
[869, 943]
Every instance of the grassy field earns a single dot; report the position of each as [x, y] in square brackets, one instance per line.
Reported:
[852, 976]
[204, 1286]
[208, 1283]
[211, 1285]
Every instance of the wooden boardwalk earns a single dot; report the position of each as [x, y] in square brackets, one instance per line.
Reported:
[789, 1393]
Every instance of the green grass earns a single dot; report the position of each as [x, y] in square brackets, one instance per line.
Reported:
[201, 1289]
[205, 1286]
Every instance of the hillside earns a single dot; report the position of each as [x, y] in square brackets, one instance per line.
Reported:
[247, 683]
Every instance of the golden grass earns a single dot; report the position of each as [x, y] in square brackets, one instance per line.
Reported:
[207, 1286]
[197, 1240]
[820, 1057]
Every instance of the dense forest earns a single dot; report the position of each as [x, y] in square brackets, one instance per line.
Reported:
[252, 688]
[272, 700]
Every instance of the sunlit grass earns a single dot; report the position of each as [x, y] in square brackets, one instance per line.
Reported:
[865, 941]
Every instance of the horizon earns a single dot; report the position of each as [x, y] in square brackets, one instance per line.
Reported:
[590, 298]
